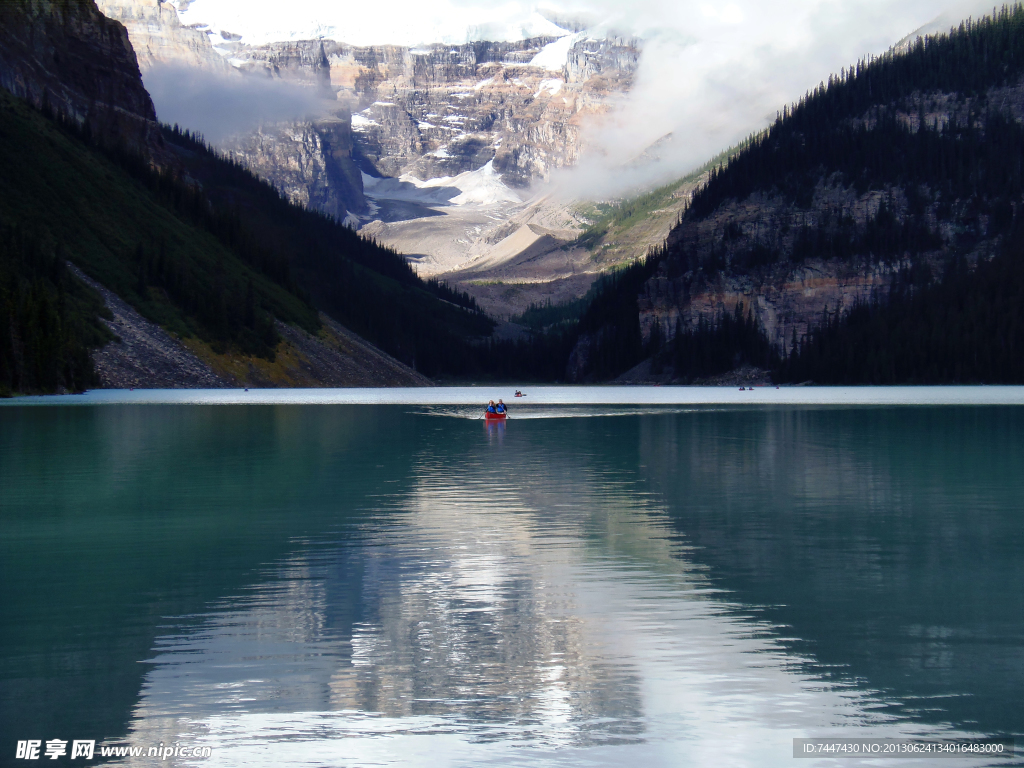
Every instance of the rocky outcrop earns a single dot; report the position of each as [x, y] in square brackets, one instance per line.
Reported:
[304, 63]
[786, 300]
[158, 36]
[787, 296]
[311, 162]
[66, 56]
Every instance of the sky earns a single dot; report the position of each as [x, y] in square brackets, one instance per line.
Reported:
[711, 72]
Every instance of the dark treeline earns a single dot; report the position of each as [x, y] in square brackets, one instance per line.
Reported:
[442, 290]
[968, 327]
[540, 357]
[370, 289]
[222, 303]
[539, 316]
[714, 346]
[224, 177]
[48, 319]
[610, 325]
[817, 133]
[324, 265]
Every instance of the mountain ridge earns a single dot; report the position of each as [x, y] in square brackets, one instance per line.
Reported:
[888, 173]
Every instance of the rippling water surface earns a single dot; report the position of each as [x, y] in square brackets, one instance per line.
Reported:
[667, 584]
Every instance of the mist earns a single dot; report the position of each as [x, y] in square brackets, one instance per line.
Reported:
[710, 75]
[221, 106]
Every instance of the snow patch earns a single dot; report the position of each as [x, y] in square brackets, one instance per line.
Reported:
[425, 126]
[548, 86]
[361, 123]
[481, 187]
[351, 221]
[447, 22]
[553, 56]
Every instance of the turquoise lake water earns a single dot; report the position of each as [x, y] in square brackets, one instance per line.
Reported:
[668, 576]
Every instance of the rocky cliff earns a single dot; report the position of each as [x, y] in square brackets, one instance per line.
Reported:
[158, 37]
[442, 110]
[309, 160]
[67, 56]
[787, 296]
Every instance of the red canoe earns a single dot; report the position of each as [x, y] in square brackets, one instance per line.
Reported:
[495, 416]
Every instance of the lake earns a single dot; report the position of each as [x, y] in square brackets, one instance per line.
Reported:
[670, 576]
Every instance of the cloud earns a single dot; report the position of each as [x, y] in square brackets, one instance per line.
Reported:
[710, 75]
[394, 22]
[224, 105]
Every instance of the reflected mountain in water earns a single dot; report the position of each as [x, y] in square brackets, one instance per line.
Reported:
[329, 585]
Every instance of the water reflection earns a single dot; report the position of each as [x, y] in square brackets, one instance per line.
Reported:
[508, 607]
[889, 540]
[356, 586]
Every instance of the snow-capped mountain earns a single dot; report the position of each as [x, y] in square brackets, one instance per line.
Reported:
[397, 130]
[258, 22]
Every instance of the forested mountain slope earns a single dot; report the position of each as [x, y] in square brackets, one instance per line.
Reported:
[187, 238]
[896, 172]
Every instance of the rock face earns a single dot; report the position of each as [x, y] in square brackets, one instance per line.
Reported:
[311, 162]
[158, 37]
[430, 112]
[443, 110]
[786, 297]
[66, 55]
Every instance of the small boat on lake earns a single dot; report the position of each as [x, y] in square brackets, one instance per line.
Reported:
[495, 416]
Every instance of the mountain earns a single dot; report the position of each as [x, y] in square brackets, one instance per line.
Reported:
[158, 37]
[430, 149]
[897, 176]
[429, 111]
[309, 160]
[205, 273]
[66, 56]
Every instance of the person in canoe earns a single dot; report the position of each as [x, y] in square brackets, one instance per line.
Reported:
[491, 408]
[501, 408]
